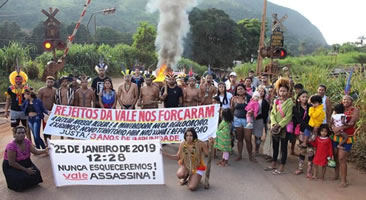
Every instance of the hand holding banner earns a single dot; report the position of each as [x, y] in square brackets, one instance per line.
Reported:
[78, 162]
[167, 125]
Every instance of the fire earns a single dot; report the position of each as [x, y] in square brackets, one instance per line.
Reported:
[160, 75]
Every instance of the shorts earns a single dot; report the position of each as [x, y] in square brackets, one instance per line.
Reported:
[200, 172]
[17, 115]
[347, 147]
[307, 132]
[239, 122]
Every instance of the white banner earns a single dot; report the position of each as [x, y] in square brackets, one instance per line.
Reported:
[88, 162]
[167, 124]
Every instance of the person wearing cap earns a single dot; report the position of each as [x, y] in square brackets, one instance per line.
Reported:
[47, 95]
[231, 83]
[255, 80]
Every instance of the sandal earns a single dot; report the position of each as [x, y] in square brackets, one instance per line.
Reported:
[252, 159]
[269, 168]
[277, 172]
[183, 181]
[298, 172]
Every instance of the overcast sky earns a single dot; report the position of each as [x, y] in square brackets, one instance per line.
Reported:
[339, 20]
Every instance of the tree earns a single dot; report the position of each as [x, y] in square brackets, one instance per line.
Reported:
[143, 42]
[10, 32]
[249, 40]
[215, 38]
[107, 35]
[360, 58]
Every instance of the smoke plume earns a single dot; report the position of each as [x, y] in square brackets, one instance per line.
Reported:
[172, 28]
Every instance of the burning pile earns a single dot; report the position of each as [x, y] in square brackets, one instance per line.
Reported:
[172, 29]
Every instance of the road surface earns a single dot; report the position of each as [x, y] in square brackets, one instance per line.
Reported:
[240, 180]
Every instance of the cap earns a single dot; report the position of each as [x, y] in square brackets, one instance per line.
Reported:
[50, 78]
[232, 74]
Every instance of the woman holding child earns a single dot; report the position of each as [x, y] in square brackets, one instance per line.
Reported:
[340, 154]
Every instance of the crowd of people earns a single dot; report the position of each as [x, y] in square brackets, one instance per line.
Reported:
[272, 114]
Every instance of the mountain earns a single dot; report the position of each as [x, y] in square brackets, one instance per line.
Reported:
[301, 35]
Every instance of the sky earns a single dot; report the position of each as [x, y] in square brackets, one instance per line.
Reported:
[339, 21]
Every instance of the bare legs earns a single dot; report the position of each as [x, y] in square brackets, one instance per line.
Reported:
[341, 167]
[193, 180]
[240, 138]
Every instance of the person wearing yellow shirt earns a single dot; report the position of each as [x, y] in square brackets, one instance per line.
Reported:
[316, 114]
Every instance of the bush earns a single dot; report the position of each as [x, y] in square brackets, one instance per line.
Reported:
[32, 70]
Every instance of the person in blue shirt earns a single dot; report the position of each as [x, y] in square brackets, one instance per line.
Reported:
[34, 110]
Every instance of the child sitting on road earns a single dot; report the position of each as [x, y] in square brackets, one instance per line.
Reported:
[339, 120]
[252, 109]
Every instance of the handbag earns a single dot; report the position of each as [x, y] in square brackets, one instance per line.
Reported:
[297, 128]
[290, 125]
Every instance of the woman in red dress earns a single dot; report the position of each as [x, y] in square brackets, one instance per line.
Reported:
[324, 151]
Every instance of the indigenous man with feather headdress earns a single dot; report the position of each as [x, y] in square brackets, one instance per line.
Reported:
[98, 82]
[171, 93]
[15, 97]
[84, 96]
[128, 91]
[149, 94]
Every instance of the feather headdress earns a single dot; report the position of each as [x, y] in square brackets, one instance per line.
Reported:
[101, 65]
[150, 76]
[125, 71]
[170, 75]
[83, 78]
[18, 73]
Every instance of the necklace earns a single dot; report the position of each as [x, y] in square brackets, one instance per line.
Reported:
[127, 87]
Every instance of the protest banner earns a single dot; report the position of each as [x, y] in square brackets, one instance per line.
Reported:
[167, 125]
[89, 162]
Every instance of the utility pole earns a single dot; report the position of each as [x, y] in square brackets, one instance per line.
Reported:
[261, 40]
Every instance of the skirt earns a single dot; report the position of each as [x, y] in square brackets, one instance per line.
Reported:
[258, 128]
[19, 180]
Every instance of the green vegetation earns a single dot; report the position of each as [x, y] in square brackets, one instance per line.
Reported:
[313, 70]
[301, 36]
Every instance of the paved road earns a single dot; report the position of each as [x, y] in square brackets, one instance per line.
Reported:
[240, 180]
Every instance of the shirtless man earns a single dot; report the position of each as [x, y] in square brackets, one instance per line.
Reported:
[149, 94]
[191, 94]
[127, 93]
[208, 90]
[84, 96]
[47, 96]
